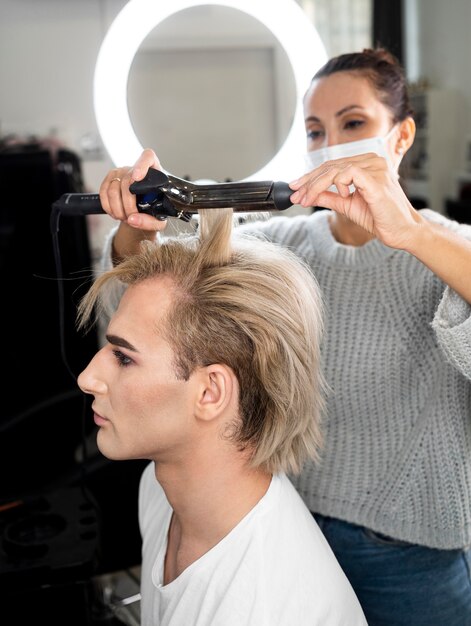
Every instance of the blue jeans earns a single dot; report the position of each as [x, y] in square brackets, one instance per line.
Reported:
[398, 583]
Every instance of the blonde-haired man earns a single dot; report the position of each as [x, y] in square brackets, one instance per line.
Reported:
[211, 371]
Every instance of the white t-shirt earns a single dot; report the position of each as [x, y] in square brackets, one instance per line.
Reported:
[275, 568]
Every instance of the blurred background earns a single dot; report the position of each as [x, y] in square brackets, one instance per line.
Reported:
[213, 92]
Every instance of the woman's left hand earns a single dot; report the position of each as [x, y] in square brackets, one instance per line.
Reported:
[378, 203]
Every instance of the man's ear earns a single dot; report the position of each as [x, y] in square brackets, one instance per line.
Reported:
[217, 392]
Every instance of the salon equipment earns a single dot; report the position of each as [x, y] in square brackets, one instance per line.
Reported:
[32, 414]
[164, 195]
[48, 558]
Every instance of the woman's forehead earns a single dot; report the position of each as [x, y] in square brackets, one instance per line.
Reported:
[342, 84]
[331, 95]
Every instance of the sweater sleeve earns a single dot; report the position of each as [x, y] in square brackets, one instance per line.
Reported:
[452, 325]
[114, 292]
[452, 320]
[106, 262]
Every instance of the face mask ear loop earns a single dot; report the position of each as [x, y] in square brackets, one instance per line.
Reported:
[390, 132]
[400, 150]
[392, 168]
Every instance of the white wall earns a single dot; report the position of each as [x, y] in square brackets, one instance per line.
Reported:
[445, 44]
[48, 50]
[439, 51]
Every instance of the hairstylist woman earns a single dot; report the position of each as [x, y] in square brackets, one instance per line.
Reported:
[392, 492]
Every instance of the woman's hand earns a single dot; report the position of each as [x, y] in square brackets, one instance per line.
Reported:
[120, 204]
[378, 203]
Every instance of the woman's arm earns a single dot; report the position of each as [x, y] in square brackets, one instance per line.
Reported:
[120, 204]
[445, 252]
[379, 205]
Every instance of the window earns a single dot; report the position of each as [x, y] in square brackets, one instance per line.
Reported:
[344, 25]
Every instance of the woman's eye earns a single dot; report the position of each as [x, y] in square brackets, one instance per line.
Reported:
[352, 124]
[314, 135]
[123, 360]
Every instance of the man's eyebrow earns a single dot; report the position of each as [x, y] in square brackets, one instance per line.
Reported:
[122, 343]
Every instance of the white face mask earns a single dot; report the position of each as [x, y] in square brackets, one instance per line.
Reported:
[378, 145]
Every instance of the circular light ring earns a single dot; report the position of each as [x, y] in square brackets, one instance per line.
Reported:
[287, 22]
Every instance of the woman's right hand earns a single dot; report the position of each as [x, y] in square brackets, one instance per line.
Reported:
[120, 204]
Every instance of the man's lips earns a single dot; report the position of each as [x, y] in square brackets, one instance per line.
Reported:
[99, 419]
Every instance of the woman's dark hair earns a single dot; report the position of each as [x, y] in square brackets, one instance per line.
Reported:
[384, 72]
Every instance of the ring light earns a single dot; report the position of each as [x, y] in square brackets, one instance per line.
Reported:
[288, 23]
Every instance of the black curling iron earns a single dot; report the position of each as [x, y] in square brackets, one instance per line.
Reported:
[164, 195]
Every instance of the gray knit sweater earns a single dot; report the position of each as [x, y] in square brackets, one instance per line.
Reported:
[397, 359]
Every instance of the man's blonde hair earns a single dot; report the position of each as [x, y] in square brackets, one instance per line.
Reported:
[253, 306]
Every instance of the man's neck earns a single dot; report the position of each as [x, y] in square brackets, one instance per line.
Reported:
[208, 502]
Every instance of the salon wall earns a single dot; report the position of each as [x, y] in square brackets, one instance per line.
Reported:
[437, 51]
[442, 46]
[48, 50]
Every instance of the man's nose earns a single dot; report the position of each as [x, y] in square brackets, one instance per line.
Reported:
[89, 381]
